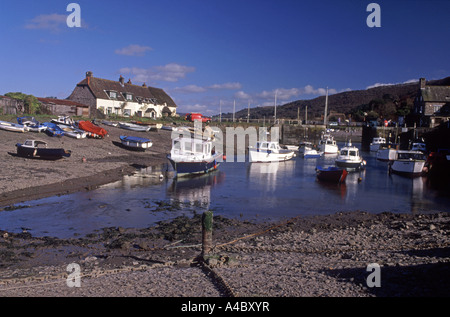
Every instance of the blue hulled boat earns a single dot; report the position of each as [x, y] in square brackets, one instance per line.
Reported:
[191, 156]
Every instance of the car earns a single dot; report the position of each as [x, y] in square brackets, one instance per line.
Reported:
[197, 116]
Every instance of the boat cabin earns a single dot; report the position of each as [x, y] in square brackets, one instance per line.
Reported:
[35, 143]
[191, 148]
[268, 146]
[410, 156]
[350, 152]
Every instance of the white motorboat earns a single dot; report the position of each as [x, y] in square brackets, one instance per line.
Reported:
[349, 157]
[386, 154]
[190, 156]
[328, 145]
[304, 146]
[377, 143]
[269, 151]
[408, 163]
[311, 153]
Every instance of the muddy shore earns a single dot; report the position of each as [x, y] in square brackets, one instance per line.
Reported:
[305, 257]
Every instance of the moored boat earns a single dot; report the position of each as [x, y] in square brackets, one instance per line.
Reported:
[304, 146]
[311, 154]
[349, 157]
[408, 163]
[377, 143]
[13, 127]
[327, 145]
[94, 131]
[136, 143]
[191, 156]
[387, 154]
[331, 174]
[31, 123]
[269, 151]
[133, 127]
[72, 131]
[53, 129]
[39, 149]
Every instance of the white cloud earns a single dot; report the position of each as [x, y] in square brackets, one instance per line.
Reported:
[200, 89]
[189, 89]
[410, 81]
[133, 50]
[53, 22]
[226, 86]
[171, 73]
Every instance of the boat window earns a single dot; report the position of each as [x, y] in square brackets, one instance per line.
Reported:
[353, 153]
[176, 145]
[28, 143]
[187, 146]
[264, 145]
[344, 152]
[272, 147]
[198, 148]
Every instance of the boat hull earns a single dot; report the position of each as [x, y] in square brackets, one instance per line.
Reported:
[188, 168]
[386, 155]
[136, 143]
[407, 168]
[42, 153]
[331, 174]
[264, 156]
[349, 164]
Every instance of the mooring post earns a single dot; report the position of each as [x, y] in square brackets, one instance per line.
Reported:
[207, 225]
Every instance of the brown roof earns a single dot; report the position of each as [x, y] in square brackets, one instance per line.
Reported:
[100, 87]
[64, 102]
[436, 93]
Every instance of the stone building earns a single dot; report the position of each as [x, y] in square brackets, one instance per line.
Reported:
[10, 106]
[108, 97]
[64, 107]
[431, 104]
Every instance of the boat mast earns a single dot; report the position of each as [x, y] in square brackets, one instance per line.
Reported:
[275, 113]
[326, 110]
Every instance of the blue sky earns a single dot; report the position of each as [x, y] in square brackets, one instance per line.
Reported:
[209, 52]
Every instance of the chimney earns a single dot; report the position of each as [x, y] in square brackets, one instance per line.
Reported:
[129, 81]
[89, 75]
[122, 80]
[423, 83]
[144, 85]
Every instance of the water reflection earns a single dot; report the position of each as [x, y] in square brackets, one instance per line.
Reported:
[196, 190]
[266, 177]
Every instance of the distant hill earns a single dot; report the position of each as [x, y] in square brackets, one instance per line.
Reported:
[387, 101]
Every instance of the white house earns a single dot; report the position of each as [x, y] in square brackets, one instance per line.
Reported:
[123, 99]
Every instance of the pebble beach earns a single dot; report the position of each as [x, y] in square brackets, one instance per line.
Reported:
[315, 256]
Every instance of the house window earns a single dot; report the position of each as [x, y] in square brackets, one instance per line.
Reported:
[128, 97]
[112, 95]
[127, 112]
[109, 110]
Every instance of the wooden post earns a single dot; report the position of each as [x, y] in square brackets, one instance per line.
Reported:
[207, 224]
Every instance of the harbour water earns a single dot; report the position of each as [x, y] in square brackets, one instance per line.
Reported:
[243, 190]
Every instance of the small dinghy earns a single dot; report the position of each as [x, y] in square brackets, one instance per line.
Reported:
[32, 124]
[331, 174]
[136, 143]
[133, 127]
[13, 127]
